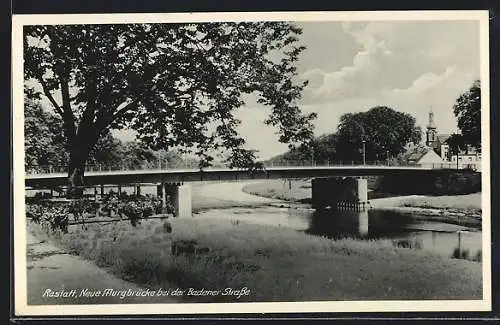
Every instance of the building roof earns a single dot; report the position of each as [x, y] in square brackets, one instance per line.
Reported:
[417, 153]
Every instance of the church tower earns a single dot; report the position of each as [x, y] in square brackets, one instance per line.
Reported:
[431, 131]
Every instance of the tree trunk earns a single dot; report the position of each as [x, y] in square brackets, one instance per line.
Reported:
[75, 181]
[76, 171]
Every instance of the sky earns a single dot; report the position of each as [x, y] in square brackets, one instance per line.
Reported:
[410, 66]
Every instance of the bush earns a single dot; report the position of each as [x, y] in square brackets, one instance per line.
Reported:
[80, 207]
[55, 215]
[49, 217]
[444, 183]
[134, 207]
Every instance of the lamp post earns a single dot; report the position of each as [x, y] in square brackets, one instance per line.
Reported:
[312, 155]
[364, 151]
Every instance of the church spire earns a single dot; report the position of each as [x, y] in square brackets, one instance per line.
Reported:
[431, 124]
[431, 130]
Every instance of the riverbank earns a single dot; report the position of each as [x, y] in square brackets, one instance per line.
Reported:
[275, 264]
[464, 210]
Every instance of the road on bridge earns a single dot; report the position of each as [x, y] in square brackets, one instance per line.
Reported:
[225, 174]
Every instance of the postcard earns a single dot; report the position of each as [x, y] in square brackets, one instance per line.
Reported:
[251, 162]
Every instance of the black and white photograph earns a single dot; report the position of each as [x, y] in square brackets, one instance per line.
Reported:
[251, 162]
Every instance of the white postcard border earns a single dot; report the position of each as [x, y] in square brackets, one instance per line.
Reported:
[20, 285]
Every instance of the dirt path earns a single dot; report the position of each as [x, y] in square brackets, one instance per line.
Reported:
[51, 270]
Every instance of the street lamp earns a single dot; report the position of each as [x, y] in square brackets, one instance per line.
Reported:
[312, 155]
[364, 151]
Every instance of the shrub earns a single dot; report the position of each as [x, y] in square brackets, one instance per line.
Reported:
[55, 215]
[134, 207]
[443, 183]
[49, 217]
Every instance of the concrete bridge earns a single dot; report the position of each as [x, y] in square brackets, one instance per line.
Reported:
[343, 183]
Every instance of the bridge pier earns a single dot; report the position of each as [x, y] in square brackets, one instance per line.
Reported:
[179, 195]
[181, 198]
[160, 193]
[340, 192]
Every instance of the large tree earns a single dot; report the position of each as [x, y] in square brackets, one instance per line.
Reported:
[176, 84]
[467, 109]
[385, 133]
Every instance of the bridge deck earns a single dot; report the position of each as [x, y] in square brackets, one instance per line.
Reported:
[224, 174]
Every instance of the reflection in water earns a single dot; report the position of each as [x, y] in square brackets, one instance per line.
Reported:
[363, 222]
[464, 245]
[336, 223]
[401, 228]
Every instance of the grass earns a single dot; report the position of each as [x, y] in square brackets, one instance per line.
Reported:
[464, 202]
[276, 264]
[298, 190]
[295, 190]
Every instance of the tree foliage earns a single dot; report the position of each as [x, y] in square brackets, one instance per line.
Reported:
[457, 144]
[45, 144]
[467, 109]
[320, 150]
[44, 138]
[385, 131]
[177, 85]
[107, 151]
[111, 152]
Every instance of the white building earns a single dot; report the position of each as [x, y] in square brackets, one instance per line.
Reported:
[469, 158]
[425, 157]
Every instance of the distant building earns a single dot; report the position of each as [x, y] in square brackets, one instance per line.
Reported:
[469, 158]
[436, 141]
[424, 156]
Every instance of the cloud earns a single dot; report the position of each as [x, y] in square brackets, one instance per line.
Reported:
[395, 55]
[354, 79]
[429, 81]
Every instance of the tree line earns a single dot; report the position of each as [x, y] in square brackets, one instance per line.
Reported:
[379, 134]
[384, 134]
[45, 147]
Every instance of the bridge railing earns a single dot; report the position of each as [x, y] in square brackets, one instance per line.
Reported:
[162, 165]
